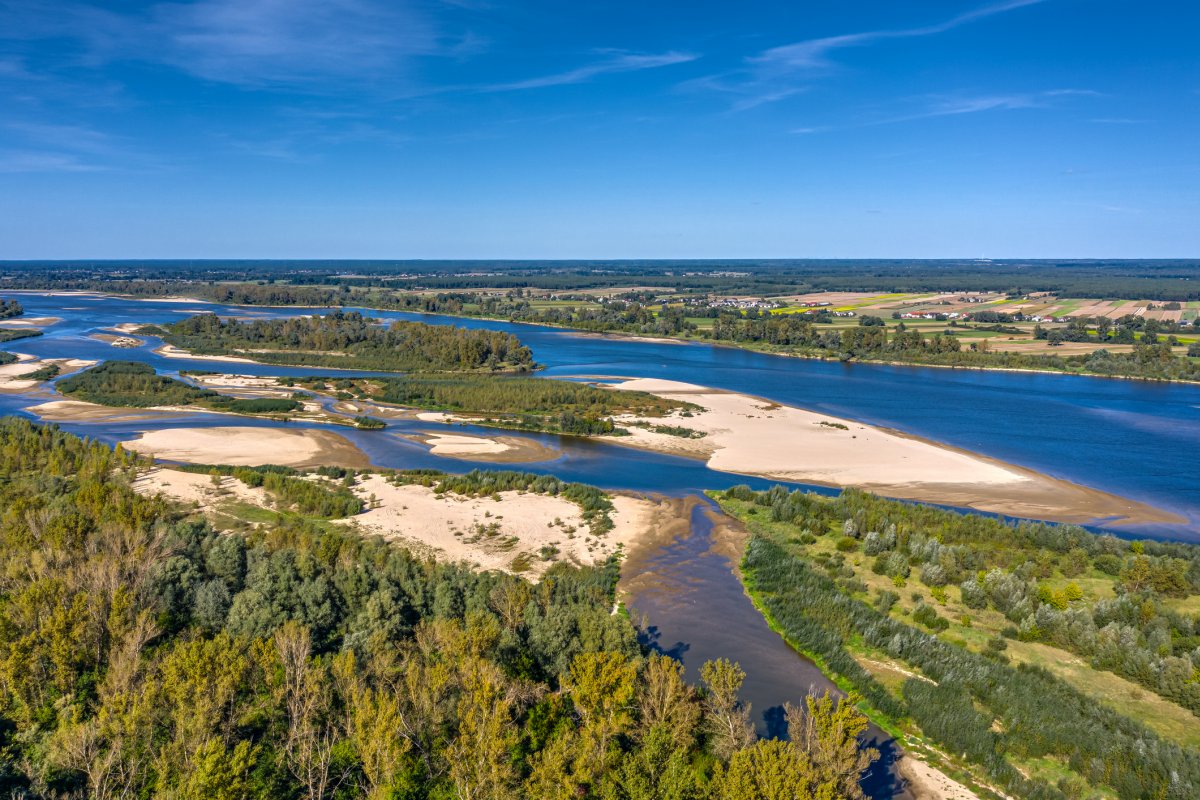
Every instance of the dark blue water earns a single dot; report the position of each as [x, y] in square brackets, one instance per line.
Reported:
[1134, 438]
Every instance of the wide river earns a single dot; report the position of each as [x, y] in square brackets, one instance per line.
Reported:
[1132, 438]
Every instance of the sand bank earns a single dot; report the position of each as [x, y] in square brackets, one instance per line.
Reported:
[198, 489]
[928, 783]
[751, 436]
[30, 322]
[128, 327]
[498, 449]
[118, 341]
[12, 375]
[245, 446]
[81, 411]
[522, 532]
[171, 351]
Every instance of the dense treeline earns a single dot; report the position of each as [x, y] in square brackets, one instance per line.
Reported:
[144, 654]
[10, 309]
[132, 384]
[1131, 279]
[1150, 358]
[351, 341]
[10, 335]
[524, 403]
[978, 704]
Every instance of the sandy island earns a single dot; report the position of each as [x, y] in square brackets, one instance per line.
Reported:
[118, 341]
[751, 436]
[496, 449]
[245, 446]
[171, 351]
[12, 376]
[30, 322]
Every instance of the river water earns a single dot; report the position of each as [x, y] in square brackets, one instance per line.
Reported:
[1133, 438]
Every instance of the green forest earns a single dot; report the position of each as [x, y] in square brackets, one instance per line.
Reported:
[10, 309]
[856, 580]
[131, 384]
[348, 340]
[542, 404]
[144, 654]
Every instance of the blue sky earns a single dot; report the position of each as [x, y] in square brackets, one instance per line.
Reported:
[476, 129]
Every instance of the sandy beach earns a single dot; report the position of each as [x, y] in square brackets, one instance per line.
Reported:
[83, 411]
[30, 322]
[171, 351]
[246, 446]
[495, 534]
[118, 341]
[496, 449]
[751, 436]
[521, 532]
[12, 375]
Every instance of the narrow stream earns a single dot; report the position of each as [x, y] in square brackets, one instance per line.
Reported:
[696, 610]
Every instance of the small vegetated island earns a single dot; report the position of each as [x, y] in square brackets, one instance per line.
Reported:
[540, 404]
[349, 340]
[1061, 663]
[131, 384]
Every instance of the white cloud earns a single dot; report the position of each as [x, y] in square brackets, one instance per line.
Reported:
[621, 62]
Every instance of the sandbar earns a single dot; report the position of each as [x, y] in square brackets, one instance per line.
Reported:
[751, 436]
[498, 449]
[508, 534]
[30, 322]
[171, 351]
[249, 446]
[12, 378]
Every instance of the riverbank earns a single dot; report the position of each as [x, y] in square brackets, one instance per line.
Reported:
[746, 435]
[246, 446]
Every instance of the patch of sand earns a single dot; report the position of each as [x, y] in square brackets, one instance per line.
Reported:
[751, 436]
[927, 783]
[11, 379]
[171, 351]
[118, 341]
[245, 446]
[128, 327]
[198, 489]
[500, 449]
[30, 322]
[492, 534]
[237, 381]
[81, 411]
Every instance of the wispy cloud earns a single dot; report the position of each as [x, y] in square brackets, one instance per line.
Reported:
[946, 106]
[301, 44]
[778, 72]
[39, 161]
[813, 53]
[290, 41]
[620, 62]
[36, 146]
